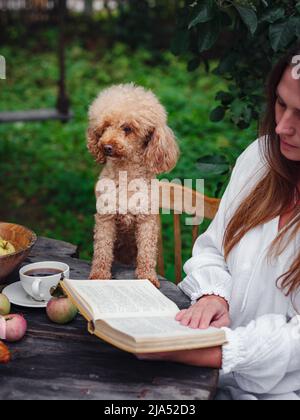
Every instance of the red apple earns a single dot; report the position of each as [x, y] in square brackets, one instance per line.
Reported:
[61, 310]
[16, 327]
[4, 305]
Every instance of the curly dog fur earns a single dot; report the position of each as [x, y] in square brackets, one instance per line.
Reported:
[128, 132]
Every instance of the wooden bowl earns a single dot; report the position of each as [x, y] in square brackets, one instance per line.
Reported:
[23, 240]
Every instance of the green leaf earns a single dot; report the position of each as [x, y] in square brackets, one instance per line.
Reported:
[218, 114]
[295, 25]
[205, 13]
[249, 17]
[298, 31]
[212, 166]
[243, 125]
[247, 115]
[298, 7]
[208, 35]
[225, 97]
[273, 15]
[227, 63]
[282, 34]
[206, 40]
[237, 108]
[241, 113]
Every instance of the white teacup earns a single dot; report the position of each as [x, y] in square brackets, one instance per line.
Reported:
[37, 283]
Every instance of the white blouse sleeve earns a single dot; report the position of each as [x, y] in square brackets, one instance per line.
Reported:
[207, 272]
[263, 353]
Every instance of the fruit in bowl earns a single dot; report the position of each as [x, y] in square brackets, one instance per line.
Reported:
[16, 243]
[6, 247]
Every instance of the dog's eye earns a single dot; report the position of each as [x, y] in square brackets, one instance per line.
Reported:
[100, 134]
[101, 130]
[127, 129]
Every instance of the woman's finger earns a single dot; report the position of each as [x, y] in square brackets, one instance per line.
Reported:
[186, 318]
[196, 319]
[207, 318]
[180, 314]
[224, 321]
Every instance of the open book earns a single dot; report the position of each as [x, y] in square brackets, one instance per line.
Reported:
[136, 317]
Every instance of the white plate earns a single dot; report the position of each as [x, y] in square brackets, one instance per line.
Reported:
[17, 296]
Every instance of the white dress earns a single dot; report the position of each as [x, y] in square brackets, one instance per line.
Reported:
[262, 357]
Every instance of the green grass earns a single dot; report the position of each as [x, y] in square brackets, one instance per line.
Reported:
[46, 171]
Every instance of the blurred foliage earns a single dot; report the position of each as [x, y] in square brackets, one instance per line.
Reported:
[47, 173]
[148, 23]
[249, 36]
[244, 36]
[138, 23]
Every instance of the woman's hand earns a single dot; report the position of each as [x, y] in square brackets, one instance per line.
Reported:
[209, 311]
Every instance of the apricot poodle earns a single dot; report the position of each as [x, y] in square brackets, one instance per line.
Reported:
[128, 132]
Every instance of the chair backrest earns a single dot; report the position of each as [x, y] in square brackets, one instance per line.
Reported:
[182, 200]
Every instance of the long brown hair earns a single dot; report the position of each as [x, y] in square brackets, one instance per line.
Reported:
[274, 194]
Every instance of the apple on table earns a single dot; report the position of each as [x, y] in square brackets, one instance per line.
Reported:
[4, 305]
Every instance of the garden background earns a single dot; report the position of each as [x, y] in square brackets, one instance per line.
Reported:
[47, 175]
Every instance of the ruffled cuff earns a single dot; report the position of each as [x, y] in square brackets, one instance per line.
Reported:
[206, 282]
[234, 351]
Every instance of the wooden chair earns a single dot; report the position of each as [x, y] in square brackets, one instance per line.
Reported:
[181, 200]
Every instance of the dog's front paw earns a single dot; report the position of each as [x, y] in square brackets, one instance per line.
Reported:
[100, 275]
[151, 276]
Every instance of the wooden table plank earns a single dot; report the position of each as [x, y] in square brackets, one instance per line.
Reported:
[51, 247]
[65, 362]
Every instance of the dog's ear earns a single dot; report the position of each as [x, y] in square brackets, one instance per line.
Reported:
[162, 151]
[93, 146]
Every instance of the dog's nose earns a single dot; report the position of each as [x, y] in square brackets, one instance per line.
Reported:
[108, 150]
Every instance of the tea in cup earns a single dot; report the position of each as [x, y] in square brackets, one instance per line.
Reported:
[39, 278]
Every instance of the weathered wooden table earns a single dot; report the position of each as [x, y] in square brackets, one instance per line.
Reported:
[65, 362]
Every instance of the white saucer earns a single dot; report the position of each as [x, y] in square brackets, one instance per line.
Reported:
[17, 296]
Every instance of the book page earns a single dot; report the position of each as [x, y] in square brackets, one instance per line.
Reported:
[119, 298]
[155, 327]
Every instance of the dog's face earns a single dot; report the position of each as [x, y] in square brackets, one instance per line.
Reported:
[127, 123]
[120, 139]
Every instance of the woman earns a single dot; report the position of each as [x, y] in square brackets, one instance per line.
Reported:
[244, 275]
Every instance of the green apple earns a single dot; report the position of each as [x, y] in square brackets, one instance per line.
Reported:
[4, 305]
[61, 310]
[6, 248]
